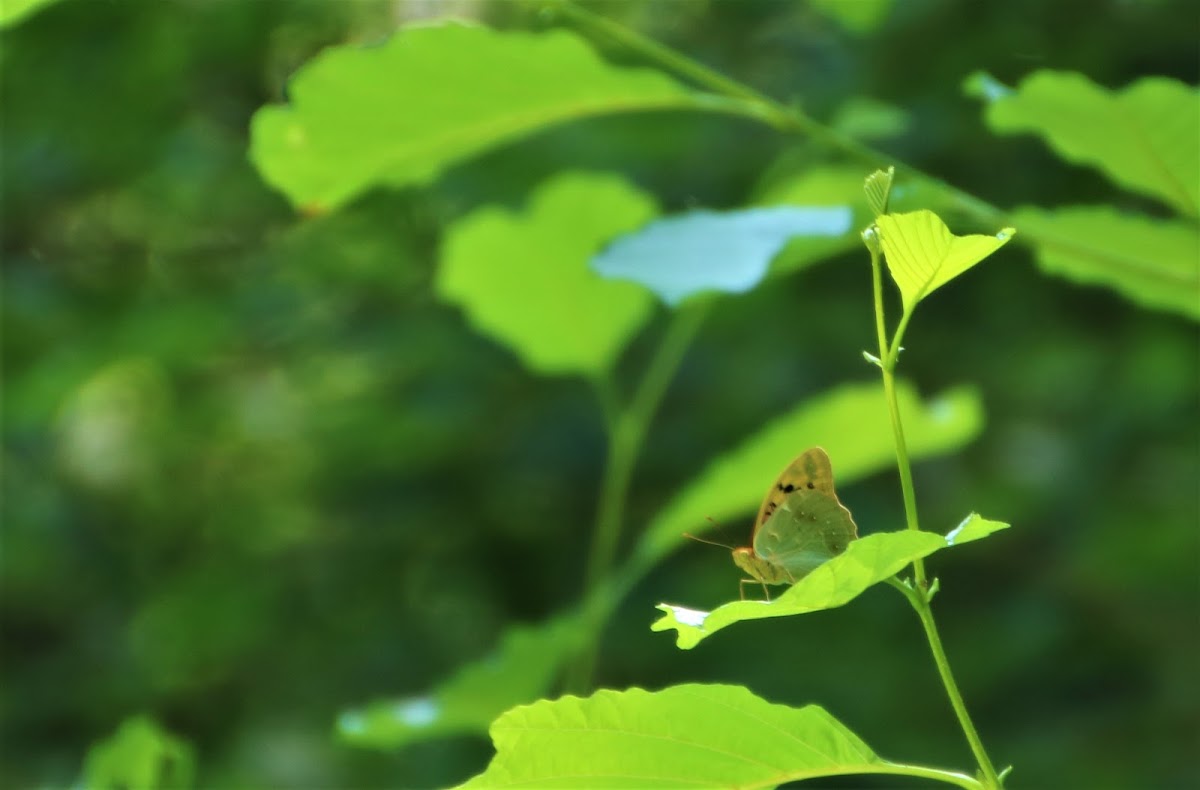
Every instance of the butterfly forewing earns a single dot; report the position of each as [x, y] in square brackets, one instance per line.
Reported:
[811, 470]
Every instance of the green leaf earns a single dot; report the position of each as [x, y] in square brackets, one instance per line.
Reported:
[850, 422]
[523, 279]
[699, 736]
[140, 754]
[1153, 262]
[401, 113]
[677, 257]
[1146, 137]
[14, 11]
[923, 255]
[518, 671]
[866, 562]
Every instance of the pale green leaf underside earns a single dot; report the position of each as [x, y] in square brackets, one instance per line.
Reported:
[850, 422]
[521, 668]
[690, 736]
[400, 113]
[866, 562]
[1153, 262]
[703, 251]
[923, 255]
[523, 279]
[1146, 137]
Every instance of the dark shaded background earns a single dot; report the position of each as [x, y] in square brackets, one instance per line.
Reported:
[235, 441]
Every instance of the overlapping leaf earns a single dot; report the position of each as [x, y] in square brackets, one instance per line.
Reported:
[1153, 262]
[523, 278]
[1145, 137]
[850, 422]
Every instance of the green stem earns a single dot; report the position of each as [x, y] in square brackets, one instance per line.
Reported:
[887, 366]
[920, 603]
[626, 433]
[785, 118]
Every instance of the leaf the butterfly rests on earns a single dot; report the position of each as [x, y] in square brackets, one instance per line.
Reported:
[800, 524]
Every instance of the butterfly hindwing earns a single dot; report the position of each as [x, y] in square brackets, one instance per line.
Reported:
[808, 528]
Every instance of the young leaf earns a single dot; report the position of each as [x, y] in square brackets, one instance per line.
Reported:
[523, 278]
[866, 562]
[401, 113]
[923, 255]
[677, 257]
[1145, 137]
[1153, 262]
[520, 670]
[700, 736]
[850, 422]
[878, 187]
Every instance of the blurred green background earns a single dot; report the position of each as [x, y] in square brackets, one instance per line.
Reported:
[255, 473]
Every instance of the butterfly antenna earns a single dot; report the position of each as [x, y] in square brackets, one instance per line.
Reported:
[705, 540]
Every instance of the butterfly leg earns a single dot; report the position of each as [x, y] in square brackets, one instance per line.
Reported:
[742, 588]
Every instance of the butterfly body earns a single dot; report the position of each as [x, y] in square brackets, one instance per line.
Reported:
[800, 525]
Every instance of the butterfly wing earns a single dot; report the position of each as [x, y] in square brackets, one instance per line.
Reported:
[811, 470]
[808, 528]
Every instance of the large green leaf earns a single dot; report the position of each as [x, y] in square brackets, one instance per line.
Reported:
[433, 95]
[523, 278]
[1153, 262]
[520, 670]
[850, 422]
[923, 255]
[1145, 137]
[866, 562]
[696, 736]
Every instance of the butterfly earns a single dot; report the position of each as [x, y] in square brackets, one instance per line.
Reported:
[800, 525]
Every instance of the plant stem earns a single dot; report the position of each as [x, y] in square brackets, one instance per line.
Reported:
[920, 603]
[784, 117]
[626, 433]
[918, 595]
[887, 366]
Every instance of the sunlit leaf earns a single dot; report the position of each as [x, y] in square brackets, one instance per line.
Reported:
[13, 11]
[140, 754]
[523, 278]
[700, 736]
[850, 422]
[923, 255]
[866, 562]
[1145, 137]
[520, 670]
[677, 257]
[1153, 262]
[433, 95]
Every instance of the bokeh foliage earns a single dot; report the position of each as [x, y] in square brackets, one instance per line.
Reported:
[256, 472]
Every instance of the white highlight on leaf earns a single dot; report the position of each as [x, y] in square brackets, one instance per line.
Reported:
[419, 712]
[693, 617]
